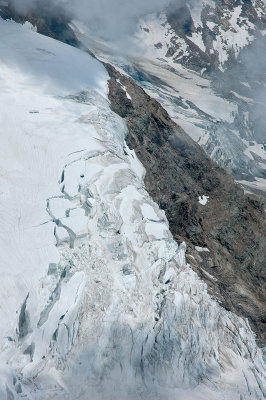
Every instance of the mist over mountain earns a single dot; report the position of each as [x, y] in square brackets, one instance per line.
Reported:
[132, 200]
[109, 19]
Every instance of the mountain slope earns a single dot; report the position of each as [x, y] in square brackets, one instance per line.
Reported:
[231, 226]
[198, 62]
[103, 303]
[225, 229]
[220, 40]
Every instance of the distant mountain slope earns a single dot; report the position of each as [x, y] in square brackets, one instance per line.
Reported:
[225, 42]
[205, 63]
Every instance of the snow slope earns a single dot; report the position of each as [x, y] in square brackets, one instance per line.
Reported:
[97, 301]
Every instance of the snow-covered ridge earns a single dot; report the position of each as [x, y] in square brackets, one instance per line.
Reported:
[97, 299]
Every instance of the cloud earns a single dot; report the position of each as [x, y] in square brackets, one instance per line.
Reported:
[115, 17]
[253, 70]
[109, 18]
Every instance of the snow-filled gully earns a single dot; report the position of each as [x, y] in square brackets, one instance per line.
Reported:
[112, 310]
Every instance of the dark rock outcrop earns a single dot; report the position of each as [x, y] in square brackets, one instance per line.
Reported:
[231, 225]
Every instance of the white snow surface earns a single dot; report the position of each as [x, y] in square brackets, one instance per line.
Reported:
[97, 301]
[200, 249]
[203, 200]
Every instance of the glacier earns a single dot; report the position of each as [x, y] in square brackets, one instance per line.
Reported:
[97, 299]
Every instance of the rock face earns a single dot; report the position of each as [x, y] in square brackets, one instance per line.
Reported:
[228, 231]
